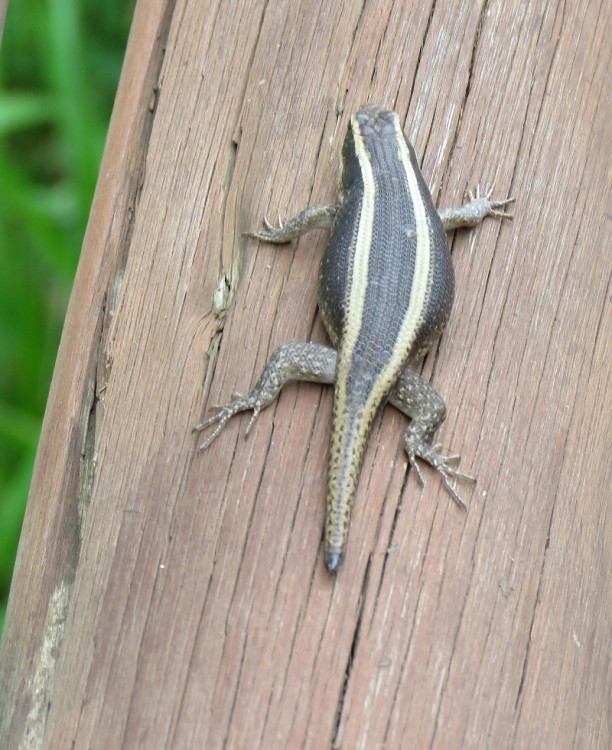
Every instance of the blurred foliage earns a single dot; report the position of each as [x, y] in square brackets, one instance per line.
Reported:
[59, 67]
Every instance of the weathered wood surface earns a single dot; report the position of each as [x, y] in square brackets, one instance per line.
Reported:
[169, 599]
[3, 4]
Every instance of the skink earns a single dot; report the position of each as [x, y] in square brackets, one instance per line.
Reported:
[385, 293]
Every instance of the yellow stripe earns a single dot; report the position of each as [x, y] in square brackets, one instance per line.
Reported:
[359, 281]
[422, 264]
[407, 332]
[352, 318]
[338, 516]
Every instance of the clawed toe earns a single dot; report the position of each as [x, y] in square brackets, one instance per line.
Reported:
[494, 205]
[453, 492]
[212, 436]
[211, 420]
[499, 204]
[254, 416]
[440, 463]
[224, 414]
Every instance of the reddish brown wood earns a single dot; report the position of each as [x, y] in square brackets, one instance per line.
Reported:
[3, 6]
[169, 599]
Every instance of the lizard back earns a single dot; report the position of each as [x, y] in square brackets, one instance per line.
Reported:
[385, 292]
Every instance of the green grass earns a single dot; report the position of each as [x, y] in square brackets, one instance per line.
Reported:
[59, 67]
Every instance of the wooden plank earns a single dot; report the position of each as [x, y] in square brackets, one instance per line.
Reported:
[165, 598]
[3, 6]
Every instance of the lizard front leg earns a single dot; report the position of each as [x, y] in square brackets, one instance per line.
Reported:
[472, 213]
[315, 217]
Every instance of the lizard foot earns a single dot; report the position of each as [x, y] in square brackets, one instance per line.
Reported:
[441, 463]
[225, 413]
[489, 207]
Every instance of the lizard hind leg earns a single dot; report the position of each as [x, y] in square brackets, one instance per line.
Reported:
[417, 399]
[312, 362]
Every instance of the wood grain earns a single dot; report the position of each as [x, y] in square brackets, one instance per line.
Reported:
[166, 598]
